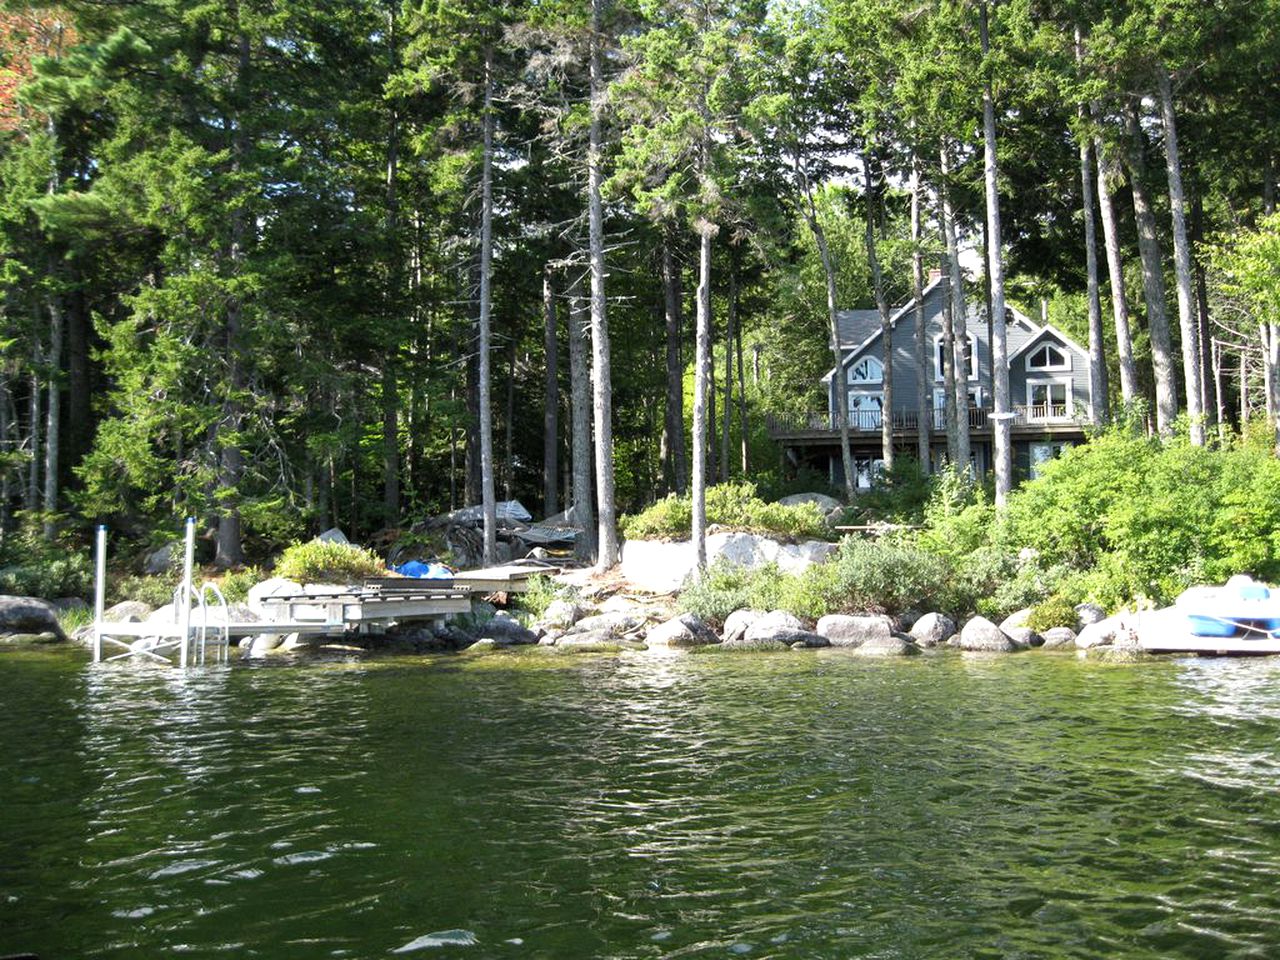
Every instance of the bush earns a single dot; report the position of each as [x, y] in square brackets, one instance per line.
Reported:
[540, 591]
[153, 591]
[884, 576]
[722, 589]
[236, 583]
[49, 575]
[1057, 611]
[733, 506]
[321, 562]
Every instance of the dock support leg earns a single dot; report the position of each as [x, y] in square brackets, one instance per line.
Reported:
[99, 591]
[184, 608]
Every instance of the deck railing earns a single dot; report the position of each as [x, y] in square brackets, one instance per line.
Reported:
[871, 421]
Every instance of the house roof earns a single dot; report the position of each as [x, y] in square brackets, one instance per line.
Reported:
[860, 321]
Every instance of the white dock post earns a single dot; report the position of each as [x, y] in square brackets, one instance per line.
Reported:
[99, 592]
[184, 610]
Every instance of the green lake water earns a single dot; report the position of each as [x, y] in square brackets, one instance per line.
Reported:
[796, 805]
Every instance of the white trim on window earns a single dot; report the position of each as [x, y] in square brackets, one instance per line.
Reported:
[1040, 358]
[867, 370]
[1052, 404]
[937, 357]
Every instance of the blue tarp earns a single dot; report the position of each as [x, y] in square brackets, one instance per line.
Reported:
[425, 571]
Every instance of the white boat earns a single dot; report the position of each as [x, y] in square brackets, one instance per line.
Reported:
[1242, 616]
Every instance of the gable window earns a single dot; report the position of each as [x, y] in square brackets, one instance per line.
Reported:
[1048, 400]
[970, 357]
[1047, 356]
[867, 370]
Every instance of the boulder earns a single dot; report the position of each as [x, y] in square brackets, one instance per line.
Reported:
[613, 624]
[452, 635]
[271, 587]
[333, 535]
[1024, 637]
[800, 639]
[265, 642]
[162, 559]
[506, 632]
[824, 503]
[483, 646]
[933, 629]
[662, 567]
[736, 624]
[847, 631]
[1059, 638]
[19, 639]
[686, 630]
[1089, 613]
[127, 611]
[894, 645]
[774, 622]
[980, 634]
[29, 615]
[1018, 618]
[596, 640]
[562, 613]
[1100, 633]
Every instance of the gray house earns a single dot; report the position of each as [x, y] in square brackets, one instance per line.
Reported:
[1048, 386]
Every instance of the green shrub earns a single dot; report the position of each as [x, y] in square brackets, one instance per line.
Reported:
[321, 562]
[540, 591]
[153, 591]
[884, 576]
[1057, 611]
[49, 575]
[722, 589]
[733, 506]
[236, 583]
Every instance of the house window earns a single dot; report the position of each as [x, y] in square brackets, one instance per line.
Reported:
[1042, 453]
[970, 356]
[867, 470]
[1048, 357]
[865, 409]
[1048, 400]
[867, 370]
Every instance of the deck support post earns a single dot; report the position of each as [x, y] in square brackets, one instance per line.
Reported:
[185, 591]
[99, 591]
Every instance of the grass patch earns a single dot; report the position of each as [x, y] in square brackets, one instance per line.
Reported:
[321, 562]
[731, 506]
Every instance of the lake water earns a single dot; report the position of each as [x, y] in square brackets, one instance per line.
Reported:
[796, 805]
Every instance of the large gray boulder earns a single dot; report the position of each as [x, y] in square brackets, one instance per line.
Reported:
[738, 622]
[162, 559]
[562, 614]
[848, 631]
[333, 535]
[1100, 633]
[663, 567]
[682, 632]
[894, 645]
[506, 631]
[29, 615]
[1059, 638]
[271, 587]
[933, 629]
[771, 624]
[800, 639]
[981, 635]
[1018, 618]
[127, 611]
[755, 645]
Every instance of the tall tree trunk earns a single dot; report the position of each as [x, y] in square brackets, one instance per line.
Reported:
[886, 331]
[550, 400]
[390, 387]
[1271, 367]
[229, 547]
[701, 367]
[730, 333]
[959, 386]
[924, 395]
[584, 514]
[1108, 173]
[487, 498]
[742, 407]
[950, 419]
[79, 389]
[1204, 328]
[607, 543]
[31, 496]
[1002, 428]
[508, 425]
[713, 461]
[1219, 400]
[1182, 262]
[673, 428]
[7, 429]
[1152, 278]
[1099, 409]
[839, 379]
[53, 412]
